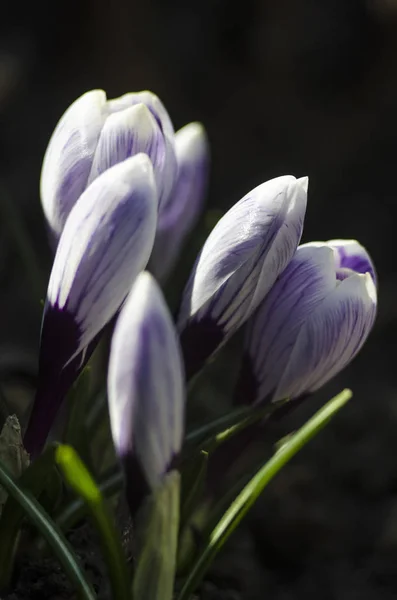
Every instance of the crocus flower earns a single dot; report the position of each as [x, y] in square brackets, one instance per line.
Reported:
[238, 264]
[95, 134]
[106, 242]
[181, 213]
[312, 323]
[145, 389]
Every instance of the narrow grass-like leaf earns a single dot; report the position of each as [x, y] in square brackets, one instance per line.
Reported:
[242, 504]
[193, 479]
[219, 430]
[80, 480]
[33, 480]
[157, 542]
[51, 532]
[76, 510]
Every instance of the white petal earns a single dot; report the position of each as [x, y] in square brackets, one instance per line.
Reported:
[332, 336]
[351, 254]
[180, 214]
[273, 330]
[244, 254]
[69, 155]
[106, 242]
[151, 101]
[128, 132]
[145, 383]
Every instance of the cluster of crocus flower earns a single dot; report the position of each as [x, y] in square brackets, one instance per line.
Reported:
[120, 192]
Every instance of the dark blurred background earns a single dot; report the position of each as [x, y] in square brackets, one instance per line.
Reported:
[302, 87]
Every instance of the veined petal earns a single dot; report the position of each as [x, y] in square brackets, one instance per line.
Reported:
[241, 259]
[153, 103]
[180, 215]
[273, 329]
[145, 382]
[106, 242]
[169, 168]
[349, 254]
[129, 132]
[335, 332]
[68, 158]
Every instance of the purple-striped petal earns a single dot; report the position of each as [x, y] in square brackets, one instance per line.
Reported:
[352, 255]
[331, 338]
[153, 103]
[241, 259]
[68, 159]
[272, 331]
[146, 383]
[114, 223]
[312, 323]
[105, 243]
[131, 131]
[180, 215]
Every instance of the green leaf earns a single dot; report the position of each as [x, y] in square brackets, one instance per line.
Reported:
[51, 533]
[247, 497]
[12, 453]
[76, 510]
[219, 430]
[157, 541]
[80, 480]
[33, 481]
[193, 479]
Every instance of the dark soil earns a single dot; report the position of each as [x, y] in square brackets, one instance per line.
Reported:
[39, 579]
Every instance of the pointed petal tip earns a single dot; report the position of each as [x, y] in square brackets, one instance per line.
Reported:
[145, 381]
[304, 183]
[136, 169]
[191, 142]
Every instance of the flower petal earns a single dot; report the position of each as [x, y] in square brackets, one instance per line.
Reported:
[105, 243]
[241, 259]
[128, 132]
[153, 103]
[181, 213]
[352, 255]
[273, 329]
[114, 225]
[68, 158]
[145, 383]
[327, 342]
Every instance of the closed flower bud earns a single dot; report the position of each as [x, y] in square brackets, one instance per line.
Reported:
[145, 389]
[95, 134]
[312, 323]
[106, 242]
[238, 264]
[180, 215]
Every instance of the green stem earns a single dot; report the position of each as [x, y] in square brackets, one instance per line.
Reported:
[76, 510]
[247, 497]
[50, 531]
[226, 426]
[81, 481]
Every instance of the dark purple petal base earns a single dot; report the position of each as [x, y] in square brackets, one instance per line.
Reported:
[247, 385]
[198, 341]
[60, 337]
[137, 488]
